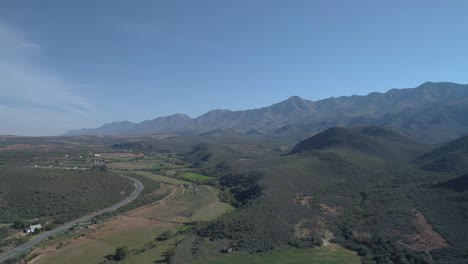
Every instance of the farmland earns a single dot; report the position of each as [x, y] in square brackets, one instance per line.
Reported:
[325, 255]
[343, 187]
[196, 178]
[137, 230]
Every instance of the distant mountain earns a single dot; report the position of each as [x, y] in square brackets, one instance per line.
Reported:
[433, 112]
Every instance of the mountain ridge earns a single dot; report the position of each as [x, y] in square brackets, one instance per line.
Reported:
[300, 117]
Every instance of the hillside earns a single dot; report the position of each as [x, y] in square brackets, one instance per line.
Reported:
[371, 140]
[339, 137]
[432, 111]
[450, 158]
[354, 184]
[458, 184]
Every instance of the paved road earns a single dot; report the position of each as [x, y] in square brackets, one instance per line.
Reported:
[45, 235]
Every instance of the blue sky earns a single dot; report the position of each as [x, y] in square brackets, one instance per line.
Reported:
[73, 64]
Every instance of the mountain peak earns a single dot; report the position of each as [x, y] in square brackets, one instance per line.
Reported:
[293, 103]
[295, 98]
[179, 116]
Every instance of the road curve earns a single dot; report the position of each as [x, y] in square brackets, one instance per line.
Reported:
[42, 236]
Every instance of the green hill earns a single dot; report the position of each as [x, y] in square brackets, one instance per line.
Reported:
[451, 157]
[339, 137]
[371, 140]
[458, 184]
[355, 183]
[211, 154]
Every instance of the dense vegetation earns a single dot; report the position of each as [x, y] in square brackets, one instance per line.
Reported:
[238, 190]
[372, 190]
[448, 158]
[57, 194]
[348, 190]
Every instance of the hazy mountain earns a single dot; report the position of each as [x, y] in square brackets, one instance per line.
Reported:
[433, 112]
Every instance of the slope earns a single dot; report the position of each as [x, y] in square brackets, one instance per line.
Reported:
[340, 185]
[371, 140]
[450, 158]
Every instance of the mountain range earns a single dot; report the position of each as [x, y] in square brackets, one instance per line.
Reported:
[431, 112]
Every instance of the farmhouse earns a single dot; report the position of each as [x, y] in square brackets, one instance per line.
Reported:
[33, 228]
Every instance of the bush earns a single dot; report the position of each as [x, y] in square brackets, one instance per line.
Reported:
[121, 253]
[165, 236]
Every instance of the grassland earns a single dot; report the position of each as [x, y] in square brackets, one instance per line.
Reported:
[160, 178]
[213, 209]
[324, 255]
[196, 178]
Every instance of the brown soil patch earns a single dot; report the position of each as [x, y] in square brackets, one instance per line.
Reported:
[17, 147]
[425, 240]
[330, 210]
[301, 231]
[53, 249]
[304, 200]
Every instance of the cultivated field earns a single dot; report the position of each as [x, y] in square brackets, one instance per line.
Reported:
[195, 177]
[139, 229]
[325, 255]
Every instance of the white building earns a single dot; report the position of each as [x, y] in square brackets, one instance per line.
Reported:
[33, 228]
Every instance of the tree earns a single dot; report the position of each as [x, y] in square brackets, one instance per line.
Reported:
[121, 253]
[165, 236]
[100, 167]
[20, 224]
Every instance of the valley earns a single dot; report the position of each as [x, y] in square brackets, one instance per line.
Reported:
[365, 193]
[232, 132]
[382, 195]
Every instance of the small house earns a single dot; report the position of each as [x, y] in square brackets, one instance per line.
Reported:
[33, 228]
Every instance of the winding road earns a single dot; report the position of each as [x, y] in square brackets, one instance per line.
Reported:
[42, 236]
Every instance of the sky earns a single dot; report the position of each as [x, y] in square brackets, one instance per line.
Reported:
[74, 64]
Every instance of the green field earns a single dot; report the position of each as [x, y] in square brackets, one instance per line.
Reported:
[195, 177]
[207, 205]
[160, 178]
[324, 255]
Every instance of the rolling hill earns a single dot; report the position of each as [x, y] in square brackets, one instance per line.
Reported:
[458, 184]
[449, 158]
[432, 112]
[358, 185]
[371, 140]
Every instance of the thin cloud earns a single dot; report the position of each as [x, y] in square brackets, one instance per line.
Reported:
[29, 91]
